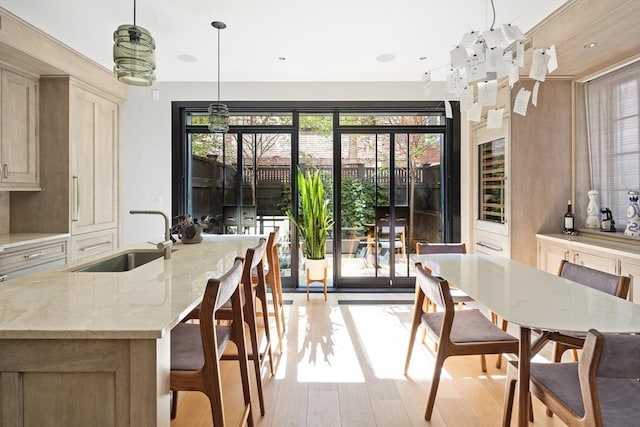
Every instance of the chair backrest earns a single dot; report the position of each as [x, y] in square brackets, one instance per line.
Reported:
[216, 294]
[595, 279]
[271, 253]
[437, 290]
[440, 248]
[614, 357]
[253, 261]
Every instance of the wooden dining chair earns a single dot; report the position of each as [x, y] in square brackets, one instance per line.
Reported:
[595, 279]
[274, 281]
[457, 332]
[196, 348]
[601, 389]
[459, 297]
[253, 263]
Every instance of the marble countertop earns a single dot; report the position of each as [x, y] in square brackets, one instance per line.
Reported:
[144, 303]
[629, 247]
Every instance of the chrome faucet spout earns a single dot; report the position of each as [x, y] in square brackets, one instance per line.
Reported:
[166, 245]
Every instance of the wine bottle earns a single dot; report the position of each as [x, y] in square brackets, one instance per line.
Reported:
[569, 220]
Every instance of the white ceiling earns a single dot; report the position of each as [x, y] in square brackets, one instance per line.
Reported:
[322, 40]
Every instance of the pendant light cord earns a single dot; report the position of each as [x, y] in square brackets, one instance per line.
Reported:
[218, 67]
[134, 13]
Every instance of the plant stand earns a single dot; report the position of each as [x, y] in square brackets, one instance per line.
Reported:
[317, 272]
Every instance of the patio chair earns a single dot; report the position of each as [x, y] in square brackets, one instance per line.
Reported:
[196, 349]
[601, 389]
[457, 332]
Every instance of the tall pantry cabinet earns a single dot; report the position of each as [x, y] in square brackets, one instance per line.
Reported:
[79, 128]
[535, 179]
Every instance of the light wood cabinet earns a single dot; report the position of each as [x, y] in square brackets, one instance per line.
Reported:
[18, 132]
[615, 257]
[94, 161]
[80, 139]
[537, 170]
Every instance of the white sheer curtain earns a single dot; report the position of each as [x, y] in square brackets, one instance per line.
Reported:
[613, 119]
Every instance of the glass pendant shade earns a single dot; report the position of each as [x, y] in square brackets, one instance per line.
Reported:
[218, 118]
[134, 55]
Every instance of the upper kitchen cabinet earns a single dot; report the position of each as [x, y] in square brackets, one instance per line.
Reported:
[18, 132]
[79, 127]
[94, 160]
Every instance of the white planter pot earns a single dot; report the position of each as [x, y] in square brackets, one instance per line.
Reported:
[316, 269]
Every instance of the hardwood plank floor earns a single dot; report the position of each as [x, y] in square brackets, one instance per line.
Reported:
[342, 365]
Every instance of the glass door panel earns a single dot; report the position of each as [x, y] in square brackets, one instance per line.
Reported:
[315, 152]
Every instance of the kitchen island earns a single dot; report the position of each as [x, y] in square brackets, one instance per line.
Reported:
[84, 348]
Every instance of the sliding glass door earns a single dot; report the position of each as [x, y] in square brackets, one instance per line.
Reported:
[390, 199]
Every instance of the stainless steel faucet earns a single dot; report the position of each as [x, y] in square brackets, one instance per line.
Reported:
[166, 245]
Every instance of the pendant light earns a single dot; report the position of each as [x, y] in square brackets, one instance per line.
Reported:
[134, 54]
[218, 113]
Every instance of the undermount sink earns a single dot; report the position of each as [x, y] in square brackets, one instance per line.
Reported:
[122, 262]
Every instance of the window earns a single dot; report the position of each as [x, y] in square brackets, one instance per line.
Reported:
[613, 115]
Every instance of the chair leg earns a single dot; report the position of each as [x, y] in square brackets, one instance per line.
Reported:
[483, 363]
[510, 391]
[261, 293]
[250, 316]
[239, 340]
[174, 403]
[277, 310]
[504, 328]
[435, 381]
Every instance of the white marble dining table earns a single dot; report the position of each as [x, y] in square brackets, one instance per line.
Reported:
[533, 299]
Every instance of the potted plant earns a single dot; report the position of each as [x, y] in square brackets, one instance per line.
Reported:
[313, 223]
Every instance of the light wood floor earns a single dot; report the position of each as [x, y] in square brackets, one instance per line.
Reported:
[342, 365]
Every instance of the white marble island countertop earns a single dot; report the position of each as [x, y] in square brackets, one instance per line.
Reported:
[144, 303]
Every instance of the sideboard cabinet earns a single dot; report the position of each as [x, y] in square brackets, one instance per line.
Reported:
[611, 256]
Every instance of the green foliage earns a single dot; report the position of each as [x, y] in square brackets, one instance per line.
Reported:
[318, 124]
[315, 219]
[358, 200]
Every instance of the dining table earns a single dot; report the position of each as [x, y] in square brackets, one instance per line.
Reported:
[533, 300]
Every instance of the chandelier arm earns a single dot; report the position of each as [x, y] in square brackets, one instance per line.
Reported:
[493, 8]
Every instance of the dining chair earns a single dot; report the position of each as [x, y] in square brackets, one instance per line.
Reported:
[457, 332]
[459, 297]
[595, 279]
[253, 263]
[274, 281]
[601, 389]
[196, 348]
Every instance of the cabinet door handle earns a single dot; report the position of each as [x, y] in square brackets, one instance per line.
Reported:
[5, 170]
[33, 255]
[76, 199]
[93, 247]
[489, 246]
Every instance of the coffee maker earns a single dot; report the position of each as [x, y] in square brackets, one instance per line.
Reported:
[607, 223]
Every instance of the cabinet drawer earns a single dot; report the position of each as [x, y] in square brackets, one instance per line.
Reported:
[491, 244]
[597, 262]
[89, 245]
[27, 257]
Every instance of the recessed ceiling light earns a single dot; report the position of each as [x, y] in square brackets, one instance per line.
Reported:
[590, 45]
[385, 57]
[282, 58]
[423, 58]
[187, 58]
